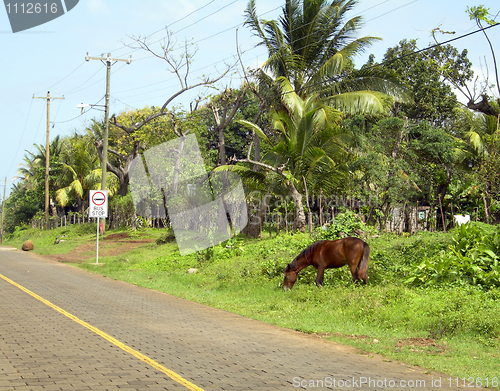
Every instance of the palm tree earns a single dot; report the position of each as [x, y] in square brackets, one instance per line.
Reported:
[32, 171]
[82, 172]
[310, 148]
[312, 46]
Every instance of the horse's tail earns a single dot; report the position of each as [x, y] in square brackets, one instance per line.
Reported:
[363, 265]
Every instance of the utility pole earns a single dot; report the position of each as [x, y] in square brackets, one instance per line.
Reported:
[108, 61]
[47, 157]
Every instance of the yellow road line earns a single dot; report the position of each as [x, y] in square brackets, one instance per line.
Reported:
[171, 374]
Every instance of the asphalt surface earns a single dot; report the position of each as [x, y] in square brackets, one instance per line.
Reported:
[62, 328]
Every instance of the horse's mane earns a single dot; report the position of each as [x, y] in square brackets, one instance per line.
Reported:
[306, 253]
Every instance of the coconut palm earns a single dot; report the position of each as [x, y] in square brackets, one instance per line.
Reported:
[32, 170]
[310, 147]
[82, 173]
[312, 46]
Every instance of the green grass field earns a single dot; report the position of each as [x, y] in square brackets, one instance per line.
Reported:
[449, 327]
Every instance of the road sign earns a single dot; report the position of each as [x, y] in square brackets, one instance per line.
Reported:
[98, 203]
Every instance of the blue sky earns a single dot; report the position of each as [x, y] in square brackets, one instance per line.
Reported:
[51, 57]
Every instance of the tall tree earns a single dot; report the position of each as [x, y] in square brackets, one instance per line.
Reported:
[480, 15]
[309, 148]
[312, 45]
[124, 147]
[32, 171]
[431, 75]
[82, 172]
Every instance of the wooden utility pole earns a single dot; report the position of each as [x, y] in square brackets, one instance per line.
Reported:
[108, 61]
[47, 157]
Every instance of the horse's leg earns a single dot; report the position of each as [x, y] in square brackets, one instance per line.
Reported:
[354, 271]
[319, 276]
[363, 265]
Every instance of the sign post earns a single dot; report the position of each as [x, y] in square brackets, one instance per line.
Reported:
[98, 207]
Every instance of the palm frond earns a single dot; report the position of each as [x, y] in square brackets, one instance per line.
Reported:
[380, 80]
[258, 131]
[62, 195]
[360, 102]
[244, 172]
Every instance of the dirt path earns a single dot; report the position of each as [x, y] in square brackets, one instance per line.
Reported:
[113, 244]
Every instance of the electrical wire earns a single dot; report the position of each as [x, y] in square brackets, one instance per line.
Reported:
[22, 136]
[274, 9]
[171, 24]
[64, 78]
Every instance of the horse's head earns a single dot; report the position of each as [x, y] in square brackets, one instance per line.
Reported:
[290, 278]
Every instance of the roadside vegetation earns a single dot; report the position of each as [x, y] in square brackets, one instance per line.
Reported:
[451, 325]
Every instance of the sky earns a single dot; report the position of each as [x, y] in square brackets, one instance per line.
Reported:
[51, 57]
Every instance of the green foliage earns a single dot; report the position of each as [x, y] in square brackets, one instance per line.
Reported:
[392, 256]
[86, 229]
[169, 237]
[344, 224]
[21, 206]
[434, 99]
[480, 14]
[472, 258]
[122, 210]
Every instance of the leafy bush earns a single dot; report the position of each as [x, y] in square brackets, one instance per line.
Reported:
[344, 224]
[169, 237]
[392, 257]
[122, 211]
[86, 229]
[471, 258]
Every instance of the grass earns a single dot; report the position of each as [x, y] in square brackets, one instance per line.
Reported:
[453, 329]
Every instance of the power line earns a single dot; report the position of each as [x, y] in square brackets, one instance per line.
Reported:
[388, 12]
[209, 37]
[76, 89]
[434, 46]
[171, 24]
[241, 24]
[206, 17]
[22, 135]
[64, 78]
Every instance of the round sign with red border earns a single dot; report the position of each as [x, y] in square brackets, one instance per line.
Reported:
[98, 198]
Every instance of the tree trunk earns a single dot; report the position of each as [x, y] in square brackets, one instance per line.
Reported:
[300, 217]
[255, 216]
[487, 204]
[53, 207]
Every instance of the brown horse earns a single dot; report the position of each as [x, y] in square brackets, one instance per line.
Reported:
[327, 254]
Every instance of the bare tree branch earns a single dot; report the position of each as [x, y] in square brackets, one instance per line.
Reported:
[179, 66]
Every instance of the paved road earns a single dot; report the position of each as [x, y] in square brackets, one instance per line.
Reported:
[62, 328]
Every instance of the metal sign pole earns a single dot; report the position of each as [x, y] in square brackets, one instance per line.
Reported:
[97, 246]
[98, 208]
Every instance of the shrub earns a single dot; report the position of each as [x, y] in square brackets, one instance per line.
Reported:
[344, 224]
[86, 229]
[471, 258]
